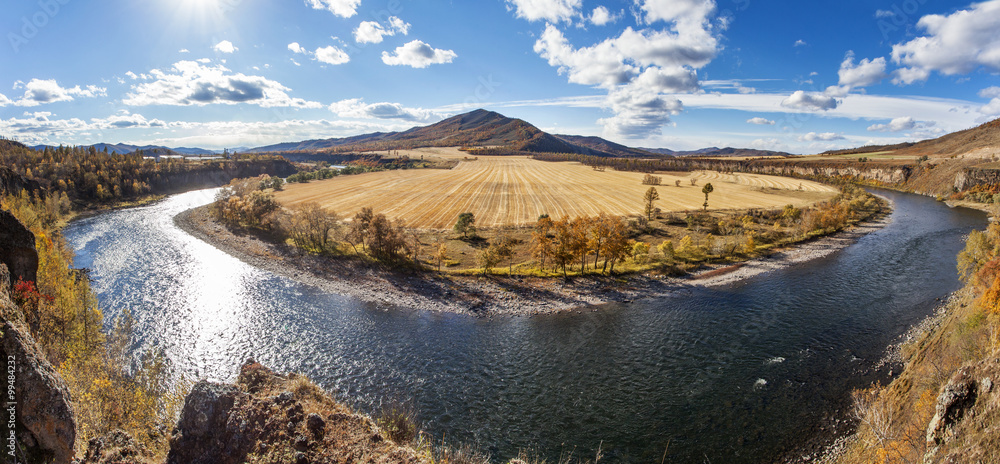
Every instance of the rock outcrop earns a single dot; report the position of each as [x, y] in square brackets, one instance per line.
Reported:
[13, 183]
[268, 417]
[37, 397]
[964, 427]
[17, 248]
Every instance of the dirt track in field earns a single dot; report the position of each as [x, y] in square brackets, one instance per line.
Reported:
[514, 190]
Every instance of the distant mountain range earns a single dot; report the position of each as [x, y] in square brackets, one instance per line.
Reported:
[149, 150]
[716, 151]
[479, 128]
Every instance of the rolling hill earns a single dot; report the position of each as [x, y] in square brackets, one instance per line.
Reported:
[478, 128]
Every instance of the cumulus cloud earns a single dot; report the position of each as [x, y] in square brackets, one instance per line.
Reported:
[126, 120]
[418, 54]
[601, 16]
[866, 72]
[192, 83]
[357, 108]
[811, 101]
[373, 32]
[342, 8]
[225, 47]
[332, 55]
[760, 121]
[4, 101]
[680, 11]
[799, 43]
[639, 111]
[294, 47]
[958, 43]
[990, 109]
[639, 65]
[554, 11]
[39, 92]
[824, 136]
[899, 124]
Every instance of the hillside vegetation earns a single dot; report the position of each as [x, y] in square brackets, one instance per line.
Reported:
[945, 405]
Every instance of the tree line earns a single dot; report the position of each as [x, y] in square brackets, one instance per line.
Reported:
[88, 175]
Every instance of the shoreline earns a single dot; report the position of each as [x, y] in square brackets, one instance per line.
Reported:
[496, 295]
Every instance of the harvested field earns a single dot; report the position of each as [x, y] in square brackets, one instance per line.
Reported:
[512, 190]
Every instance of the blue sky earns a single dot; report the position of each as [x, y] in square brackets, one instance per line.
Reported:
[796, 76]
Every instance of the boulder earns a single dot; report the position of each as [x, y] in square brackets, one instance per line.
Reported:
[201, 435]
[955, 399]
[17, 248]
[46, 425]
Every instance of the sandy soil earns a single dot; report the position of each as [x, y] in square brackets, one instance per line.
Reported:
[492, 296]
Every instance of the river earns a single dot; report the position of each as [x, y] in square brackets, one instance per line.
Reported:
[741, 373]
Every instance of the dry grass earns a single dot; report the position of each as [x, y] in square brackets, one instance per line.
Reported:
[516, 190]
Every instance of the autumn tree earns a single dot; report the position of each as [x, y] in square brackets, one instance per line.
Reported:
[357, 233]
[441, 255]
[706, 190]
[562, 243]
[649, 198]
[466, 225]
[618, 244]
[505, 250]
[310, 226]
[579, 239]
[542, 239]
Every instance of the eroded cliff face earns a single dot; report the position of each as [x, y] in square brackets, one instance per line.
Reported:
[17, 249]
[967, 412]
[36, 401]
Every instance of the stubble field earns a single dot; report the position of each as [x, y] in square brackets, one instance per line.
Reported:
[512, 191]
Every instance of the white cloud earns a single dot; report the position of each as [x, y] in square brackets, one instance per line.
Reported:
[342, 8]
[990, 92]
[126, 120]
[183, 50]
[357, 108]
[294, 47]
[958, 43]
[639, 111]
[418, 55]
[824, 136]
[373, 32]
[637, 66]
[899, 124]
[4, 101]
[191, 83]
[884, 14]
[225, 47]
[332, 55]
[799, 43]
[906, 76]
[809, 101]
[679, 11]
[760, 121]
[865, 73]
[990, 109]
[601, 16]
[39, 91]
[554, 11]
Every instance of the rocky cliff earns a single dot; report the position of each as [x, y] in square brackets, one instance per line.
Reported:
[39, 425]
[267, 417]
[17, 249]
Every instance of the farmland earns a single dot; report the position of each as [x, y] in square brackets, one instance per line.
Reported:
[516, 190]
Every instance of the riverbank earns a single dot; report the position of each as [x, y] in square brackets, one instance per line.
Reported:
[495, 295]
